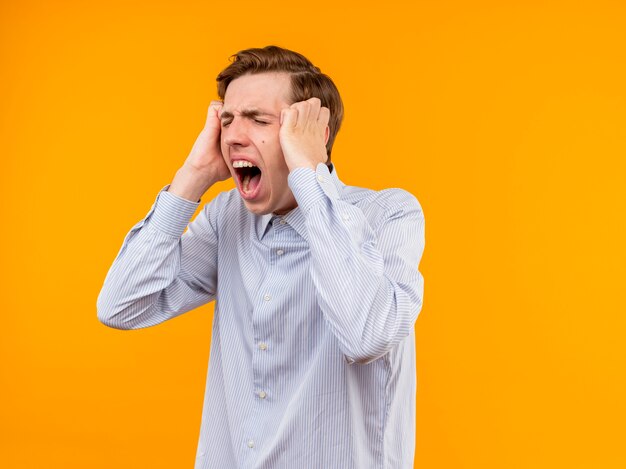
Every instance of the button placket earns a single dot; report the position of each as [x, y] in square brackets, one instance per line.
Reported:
[267, 304]
[263, 346]
[259, 369]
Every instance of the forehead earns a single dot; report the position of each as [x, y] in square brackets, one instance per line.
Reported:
[261, 90]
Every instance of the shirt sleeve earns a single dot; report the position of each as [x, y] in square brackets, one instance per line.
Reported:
[365, 273]
[159, 272]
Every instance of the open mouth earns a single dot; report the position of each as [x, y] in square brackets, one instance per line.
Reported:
[248, 176]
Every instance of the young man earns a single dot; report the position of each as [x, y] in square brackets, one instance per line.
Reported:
[312, 361]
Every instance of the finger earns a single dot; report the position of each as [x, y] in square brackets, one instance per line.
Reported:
[323, 117]
[213, 114]
[289, 117]
[302, 108]
[215, 105]
[314, 110]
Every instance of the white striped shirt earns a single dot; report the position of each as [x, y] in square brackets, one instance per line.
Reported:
[312, 361]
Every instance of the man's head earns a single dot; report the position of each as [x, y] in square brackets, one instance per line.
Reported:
[307, 81]
[255, 89]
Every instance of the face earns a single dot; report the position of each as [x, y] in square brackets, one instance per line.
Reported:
[250, 144]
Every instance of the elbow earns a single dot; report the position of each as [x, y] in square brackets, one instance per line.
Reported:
[109, 316]
[360, 359]
[110, 322]
[376, 342]
[365, 351]
[365, 355]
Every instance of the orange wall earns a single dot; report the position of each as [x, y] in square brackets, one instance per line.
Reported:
[506, 119]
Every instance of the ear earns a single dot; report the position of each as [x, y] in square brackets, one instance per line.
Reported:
[326, 135]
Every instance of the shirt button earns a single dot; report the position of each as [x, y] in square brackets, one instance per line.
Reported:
[262, 394]
[321, 178]
[263, 346]
[267, 297]
[280, 252]
[282, 221]
[345, 217]
[250, 444]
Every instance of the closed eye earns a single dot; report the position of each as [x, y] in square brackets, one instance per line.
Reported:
[260, 122]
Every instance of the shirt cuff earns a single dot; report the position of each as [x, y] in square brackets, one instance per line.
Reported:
[309, 187]
[172, 213]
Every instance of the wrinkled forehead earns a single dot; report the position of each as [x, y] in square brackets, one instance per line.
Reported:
[267, 91]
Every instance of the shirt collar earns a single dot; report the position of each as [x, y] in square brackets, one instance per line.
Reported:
[261, 222]
[295, 218]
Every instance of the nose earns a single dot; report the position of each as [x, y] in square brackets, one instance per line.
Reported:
[235, 133]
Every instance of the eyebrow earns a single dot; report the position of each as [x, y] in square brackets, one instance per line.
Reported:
[248, 113]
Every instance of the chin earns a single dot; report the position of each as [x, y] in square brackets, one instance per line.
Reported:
[257, 209]
[265, 207]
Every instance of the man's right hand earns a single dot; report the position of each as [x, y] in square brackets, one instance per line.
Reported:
[205, 165]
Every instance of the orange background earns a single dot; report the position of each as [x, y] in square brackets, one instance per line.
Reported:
[506, 119]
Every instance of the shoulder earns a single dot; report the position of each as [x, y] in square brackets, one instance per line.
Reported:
[384, 203]
[223, 207]
[397, 199]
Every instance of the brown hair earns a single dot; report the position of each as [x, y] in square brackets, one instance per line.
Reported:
[307, 80]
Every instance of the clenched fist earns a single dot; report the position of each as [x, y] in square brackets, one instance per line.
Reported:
[303, 134]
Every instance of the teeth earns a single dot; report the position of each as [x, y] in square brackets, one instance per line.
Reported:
[243, 164]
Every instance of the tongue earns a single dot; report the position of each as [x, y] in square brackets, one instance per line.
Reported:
[249, 184]
[254, 181]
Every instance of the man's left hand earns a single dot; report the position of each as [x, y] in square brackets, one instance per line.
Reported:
[304, 133]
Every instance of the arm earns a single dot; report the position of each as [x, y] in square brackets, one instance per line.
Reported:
[158, 274]
[366, 277]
